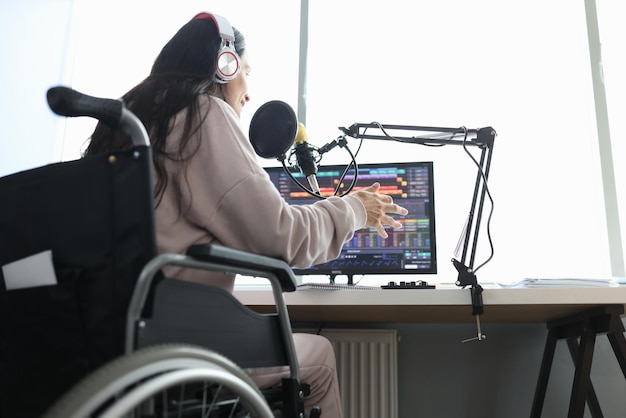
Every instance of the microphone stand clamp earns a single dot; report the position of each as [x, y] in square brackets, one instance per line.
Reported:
[465, 278]
[340, 141]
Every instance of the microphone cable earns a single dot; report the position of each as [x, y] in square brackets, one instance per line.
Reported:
[486, 187]
[464, 131]
[289, 166]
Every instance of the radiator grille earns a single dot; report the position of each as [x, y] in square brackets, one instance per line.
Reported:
[367, 369]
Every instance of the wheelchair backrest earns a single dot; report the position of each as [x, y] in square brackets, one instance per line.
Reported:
[90, 222]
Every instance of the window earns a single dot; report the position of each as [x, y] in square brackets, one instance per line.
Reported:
[114, 44]
[447, 63]
[481, 63]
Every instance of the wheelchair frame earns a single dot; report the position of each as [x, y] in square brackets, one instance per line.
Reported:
[117, 387]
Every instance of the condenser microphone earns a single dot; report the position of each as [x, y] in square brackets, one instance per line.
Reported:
[305, 159]
[274, 130]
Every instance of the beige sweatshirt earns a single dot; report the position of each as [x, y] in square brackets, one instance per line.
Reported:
[228, 199]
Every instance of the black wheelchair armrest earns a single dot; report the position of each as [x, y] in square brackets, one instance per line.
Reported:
[239, 258]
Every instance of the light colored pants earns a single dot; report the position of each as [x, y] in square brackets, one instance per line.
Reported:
[317, 369]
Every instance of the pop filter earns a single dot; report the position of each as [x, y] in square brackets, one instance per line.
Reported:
[273, 129]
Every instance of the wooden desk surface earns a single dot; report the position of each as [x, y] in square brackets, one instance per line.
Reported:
[451, 305]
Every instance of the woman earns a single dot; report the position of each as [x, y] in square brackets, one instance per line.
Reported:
[209, 186]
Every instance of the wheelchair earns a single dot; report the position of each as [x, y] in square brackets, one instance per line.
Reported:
[89, 325]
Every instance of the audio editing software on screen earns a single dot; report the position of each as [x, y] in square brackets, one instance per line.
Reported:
[410, 249]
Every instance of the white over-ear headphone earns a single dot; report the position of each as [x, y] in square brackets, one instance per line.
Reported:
[228, 61]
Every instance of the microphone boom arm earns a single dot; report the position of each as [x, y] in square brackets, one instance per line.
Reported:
[483, 138]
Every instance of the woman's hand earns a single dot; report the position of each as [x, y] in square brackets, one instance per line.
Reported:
[378, 206]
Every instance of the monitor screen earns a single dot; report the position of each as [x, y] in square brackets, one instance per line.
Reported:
[408, 250]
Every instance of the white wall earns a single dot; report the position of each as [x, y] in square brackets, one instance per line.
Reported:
[521, 67]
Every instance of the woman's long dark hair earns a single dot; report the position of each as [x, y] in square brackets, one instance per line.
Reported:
[184, 69]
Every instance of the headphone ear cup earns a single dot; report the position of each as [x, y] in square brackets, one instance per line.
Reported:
[228, 61]
[228, 64]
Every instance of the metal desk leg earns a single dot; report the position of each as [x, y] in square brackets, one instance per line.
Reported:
[592, 398]
[584, 326]
[544, 374]
[618, 341]
[582, 375]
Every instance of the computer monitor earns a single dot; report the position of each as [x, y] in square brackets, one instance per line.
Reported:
[409, 250]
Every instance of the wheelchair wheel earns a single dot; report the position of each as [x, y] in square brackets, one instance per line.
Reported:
[169, 380]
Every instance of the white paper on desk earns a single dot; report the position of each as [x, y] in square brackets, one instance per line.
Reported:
[562, 282]
[333, 286]
[32, 271]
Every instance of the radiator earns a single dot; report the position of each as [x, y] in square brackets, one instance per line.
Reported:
[367, 367]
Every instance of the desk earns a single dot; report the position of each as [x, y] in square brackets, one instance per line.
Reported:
[452, 305]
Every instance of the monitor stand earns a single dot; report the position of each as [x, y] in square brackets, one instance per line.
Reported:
[350, 277]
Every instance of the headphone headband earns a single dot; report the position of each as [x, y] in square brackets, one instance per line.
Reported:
[223, 26]
[228, 62]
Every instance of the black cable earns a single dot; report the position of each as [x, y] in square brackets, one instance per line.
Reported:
[406, 141]
[465, 133]
[352, 163]
[482, 174]
[321, 327]
[300, 185]
[343, 144]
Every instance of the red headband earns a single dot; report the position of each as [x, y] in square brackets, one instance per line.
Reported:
[204, 16]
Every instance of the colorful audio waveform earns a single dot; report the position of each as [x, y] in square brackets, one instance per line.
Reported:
[414, 233]
[396, 182]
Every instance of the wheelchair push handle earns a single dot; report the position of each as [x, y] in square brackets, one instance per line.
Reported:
[65, 101]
